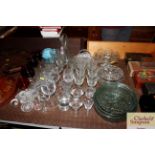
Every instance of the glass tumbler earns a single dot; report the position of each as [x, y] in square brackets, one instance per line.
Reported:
[63, 101]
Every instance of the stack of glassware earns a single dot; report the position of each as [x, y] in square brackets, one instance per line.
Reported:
[43, 85]
[113, 100]
[63, 78]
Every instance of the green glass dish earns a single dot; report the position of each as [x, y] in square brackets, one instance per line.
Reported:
[114, 99]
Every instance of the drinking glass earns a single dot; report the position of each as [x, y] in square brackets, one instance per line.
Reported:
[44, 101]
[76, 105]
[92, 73]
[37, 105]
[92, 80]
[50, 73]
[90, 92]
[26, 99]
[22, 97]
[63, 101]
[48, 88]
[88, 103]
[45, 90]
[107, 56]
[27, 107]
[76, 93]
[68, 75]
[64, 87]
[79, 76]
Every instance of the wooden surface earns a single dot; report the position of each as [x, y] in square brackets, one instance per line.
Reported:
[120, 47]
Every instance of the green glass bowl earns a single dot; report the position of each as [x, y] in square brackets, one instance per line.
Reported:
[114, 99]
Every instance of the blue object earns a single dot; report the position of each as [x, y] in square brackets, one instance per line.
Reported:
[49, 55]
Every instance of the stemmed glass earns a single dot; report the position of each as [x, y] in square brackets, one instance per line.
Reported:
[90, 92]
[76, 93]
[37, 105]
[88, 103]
[44, 102]
[46, 89]
[92, 73]
[68, 76]
[53, 74]
[67, 81]
[42, 98]
[76, 104]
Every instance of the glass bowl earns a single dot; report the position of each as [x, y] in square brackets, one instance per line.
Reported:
[110, 73]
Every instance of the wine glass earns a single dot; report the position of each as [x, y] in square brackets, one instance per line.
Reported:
[37, 105]
[88, 103]
[76, 104]
[90, 92]
[76, 93]
[68, 75]
[48, 88]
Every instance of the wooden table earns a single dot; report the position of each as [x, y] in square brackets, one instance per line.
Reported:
[55, 118]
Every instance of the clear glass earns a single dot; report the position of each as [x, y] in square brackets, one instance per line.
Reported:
[110, 73]
[63, 101]
[79, 76]
[22, 97]
[37, 105]
[76, 93]
[92, 73]
[27, 107]
[88, 103]
[90, 92]
[92, 80]
[54, 74]
[26, 99]
[14, 102]
[68, 75]
[76, 105]
[65, 88]
[48, 88]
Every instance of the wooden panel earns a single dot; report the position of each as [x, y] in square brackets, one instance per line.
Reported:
[94, 33]
[142, 33]
[120, 47]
